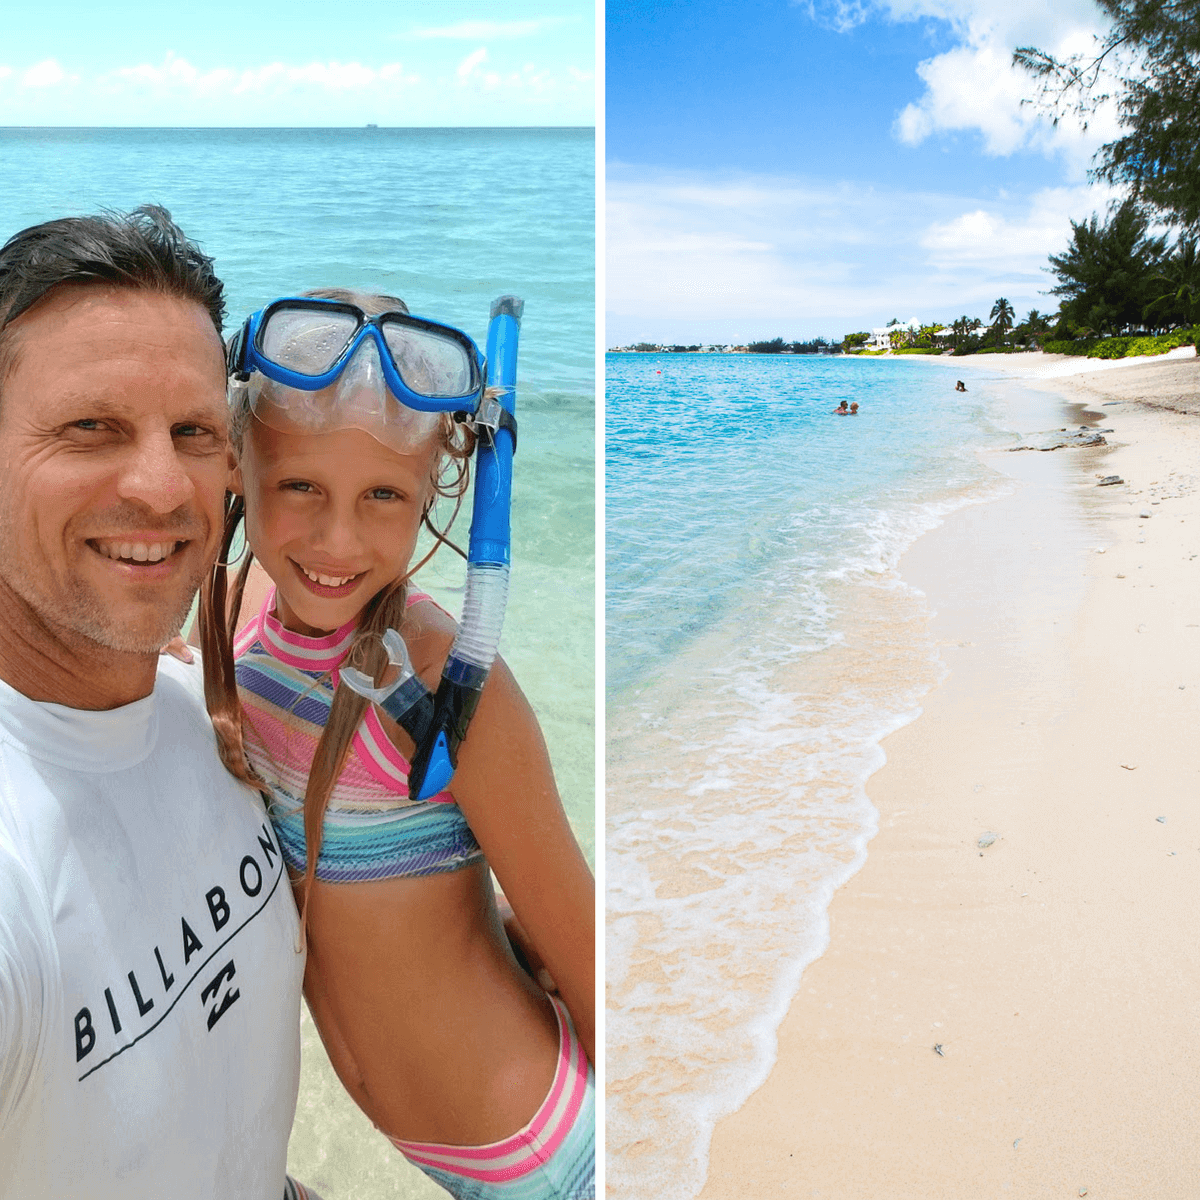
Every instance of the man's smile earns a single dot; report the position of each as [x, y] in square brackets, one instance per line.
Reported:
[133, 551]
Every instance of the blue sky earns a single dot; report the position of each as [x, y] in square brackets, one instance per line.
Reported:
[299, 62]
[804, 169]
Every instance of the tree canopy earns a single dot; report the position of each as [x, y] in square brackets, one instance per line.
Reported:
[1150, 59]
[1107, 273]
[1175, 286]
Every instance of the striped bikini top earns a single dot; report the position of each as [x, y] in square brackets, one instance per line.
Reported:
[286, 683]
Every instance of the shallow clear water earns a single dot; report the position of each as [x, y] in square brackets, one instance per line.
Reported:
[759, 645]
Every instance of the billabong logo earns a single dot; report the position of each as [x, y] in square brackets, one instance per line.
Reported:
[136, 1005]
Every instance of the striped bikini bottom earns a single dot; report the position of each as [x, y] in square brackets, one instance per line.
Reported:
[553, 1157]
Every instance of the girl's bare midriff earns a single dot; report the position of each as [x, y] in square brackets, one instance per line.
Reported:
[440, 1036]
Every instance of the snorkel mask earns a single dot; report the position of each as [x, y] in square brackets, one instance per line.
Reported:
[331, 366]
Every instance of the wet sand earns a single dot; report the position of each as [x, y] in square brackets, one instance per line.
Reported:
[1009, 1001]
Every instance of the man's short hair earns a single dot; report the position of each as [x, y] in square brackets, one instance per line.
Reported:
[143, 249]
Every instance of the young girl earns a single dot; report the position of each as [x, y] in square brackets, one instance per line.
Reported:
[474, 1072]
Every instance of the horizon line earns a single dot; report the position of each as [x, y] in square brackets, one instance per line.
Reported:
[363, 125]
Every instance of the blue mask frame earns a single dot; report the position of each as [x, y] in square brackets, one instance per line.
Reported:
[245, 353]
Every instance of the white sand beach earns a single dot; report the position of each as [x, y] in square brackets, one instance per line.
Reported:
[1009, 1001]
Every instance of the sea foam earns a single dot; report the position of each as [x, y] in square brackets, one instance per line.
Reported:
[760, 646]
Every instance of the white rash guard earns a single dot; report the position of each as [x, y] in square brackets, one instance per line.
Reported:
[149, 970]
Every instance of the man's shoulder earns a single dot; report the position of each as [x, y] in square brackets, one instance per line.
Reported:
[181, 681]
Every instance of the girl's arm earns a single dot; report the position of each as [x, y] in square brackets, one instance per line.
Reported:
[505, 787]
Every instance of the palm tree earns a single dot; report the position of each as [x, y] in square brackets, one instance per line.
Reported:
[1002, 317]
[963, 328]
[1032, 328]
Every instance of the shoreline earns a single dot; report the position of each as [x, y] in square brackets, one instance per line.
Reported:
[1052, 966]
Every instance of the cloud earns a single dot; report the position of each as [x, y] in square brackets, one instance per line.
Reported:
[992, 239]
[693, 257]
[483, 31]
[44, 74]
[473, 91]
[177, 75]
[475, 59]
[973, 86]
[842, 15]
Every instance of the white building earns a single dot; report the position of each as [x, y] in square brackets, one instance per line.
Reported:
[881, 339]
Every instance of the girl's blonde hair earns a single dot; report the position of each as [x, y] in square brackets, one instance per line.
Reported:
[220, 607]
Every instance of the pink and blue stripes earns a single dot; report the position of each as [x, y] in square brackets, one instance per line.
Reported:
[372, 829]
[551, 1158]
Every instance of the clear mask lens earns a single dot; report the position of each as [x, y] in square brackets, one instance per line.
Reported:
[307, 342]
[358, 399]
[430, 363]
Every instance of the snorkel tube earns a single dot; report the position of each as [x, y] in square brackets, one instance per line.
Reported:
[438, 723]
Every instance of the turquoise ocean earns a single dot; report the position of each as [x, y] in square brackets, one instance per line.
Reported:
[760, 644]
[447, 219]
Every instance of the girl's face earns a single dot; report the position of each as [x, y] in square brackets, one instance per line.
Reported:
[332, 517]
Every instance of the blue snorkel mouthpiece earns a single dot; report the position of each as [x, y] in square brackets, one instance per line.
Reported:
[438, 723]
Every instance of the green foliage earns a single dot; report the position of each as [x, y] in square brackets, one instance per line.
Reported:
[1032, 329]
[1131, 347]
[1077, 346]
[1176, 287]
[926, 338]
[1106, 273]
[963, 339]
[854, 341]
[817, 346]
[1150, 59]
[1123, 347]
[774, 346]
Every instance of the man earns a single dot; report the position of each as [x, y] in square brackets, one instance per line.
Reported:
[149, 960]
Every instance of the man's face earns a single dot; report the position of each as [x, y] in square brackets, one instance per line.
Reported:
[113, 463]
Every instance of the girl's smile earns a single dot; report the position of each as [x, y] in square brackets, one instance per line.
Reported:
[332, 517]
[327, 583]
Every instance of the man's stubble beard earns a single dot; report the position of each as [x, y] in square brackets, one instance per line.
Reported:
[88, 618]
[78, 613]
